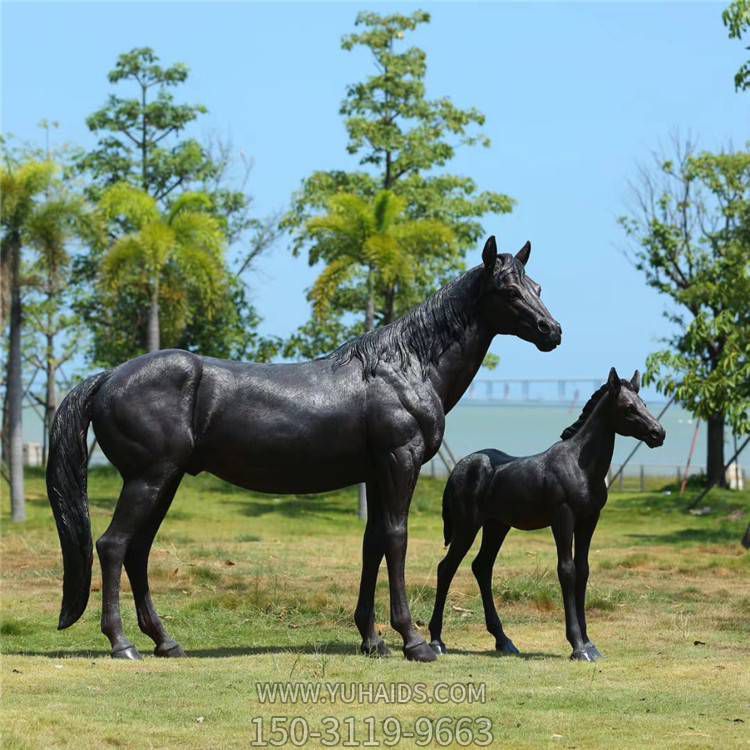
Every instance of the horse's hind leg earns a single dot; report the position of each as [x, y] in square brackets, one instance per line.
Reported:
[137, 501]
[493, 536]
[461, 543]
[136, 566]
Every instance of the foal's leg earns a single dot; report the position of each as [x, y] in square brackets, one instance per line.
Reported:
[396, 475]
[373, 549]
[493, 536]
[464, 535]
[138, 497]
[562, 528]
[136, 566]
[584, 530]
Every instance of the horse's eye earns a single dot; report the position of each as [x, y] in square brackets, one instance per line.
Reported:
[513, 293]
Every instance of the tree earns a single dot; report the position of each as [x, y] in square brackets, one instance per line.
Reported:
[372, 247]
[21, 185]
[59, 219]
[404, 141]
[736, 18]
[142, 143]
[163, 254]
[691, 227]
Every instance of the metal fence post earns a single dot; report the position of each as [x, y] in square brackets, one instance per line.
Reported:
[643, 479]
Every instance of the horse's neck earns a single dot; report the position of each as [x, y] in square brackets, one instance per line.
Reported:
[595, 441]
[460, 362]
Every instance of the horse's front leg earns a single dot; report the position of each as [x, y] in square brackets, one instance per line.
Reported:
[396, 475]
[563, 525]
[584, 530]
[373, 550]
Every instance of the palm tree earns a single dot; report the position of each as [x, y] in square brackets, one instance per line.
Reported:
[21, 185]
[183, 246]
[59, 219]
[376, 238]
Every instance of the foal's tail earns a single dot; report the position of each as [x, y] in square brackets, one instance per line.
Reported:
[447, 515]
[67, 468]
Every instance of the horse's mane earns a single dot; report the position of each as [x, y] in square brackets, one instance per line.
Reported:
[422, 334]
[596, 397]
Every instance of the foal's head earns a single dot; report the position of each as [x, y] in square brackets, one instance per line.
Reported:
[510, 300]
[632, 417]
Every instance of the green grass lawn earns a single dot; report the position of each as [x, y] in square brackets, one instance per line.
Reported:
[259, 588]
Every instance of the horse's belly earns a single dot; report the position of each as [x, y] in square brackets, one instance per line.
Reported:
[284, 461]
[297, 484]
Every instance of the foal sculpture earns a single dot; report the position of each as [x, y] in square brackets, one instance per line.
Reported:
[372, 411]
[564, 487]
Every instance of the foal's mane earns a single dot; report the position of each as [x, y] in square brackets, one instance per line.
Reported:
[423, 334]
[596, 397]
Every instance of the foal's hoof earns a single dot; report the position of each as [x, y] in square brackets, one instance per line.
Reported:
[582, 655]
[128, 652]
[438, 647]
[420, 652]
[506, 648]
[593, 651]
[169, 649]
[377, 650]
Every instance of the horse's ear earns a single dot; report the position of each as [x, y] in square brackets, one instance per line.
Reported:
[524, 252]
[613, 381]
[489, 254]
[635, 381]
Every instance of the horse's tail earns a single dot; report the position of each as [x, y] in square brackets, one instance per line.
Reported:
[67, 469]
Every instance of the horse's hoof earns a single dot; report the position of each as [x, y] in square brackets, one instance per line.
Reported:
[169, 649]
[128, 652]
[581, 655]
[376, 650]
[438, 647]
[506, 648]
[593, 651]
[420, 652]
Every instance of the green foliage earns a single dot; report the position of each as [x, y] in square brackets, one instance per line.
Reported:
[736, 18]
[177, 254]
[357, 238]
[141, 143]
[403, 141]
[133, 130]
[692, 231]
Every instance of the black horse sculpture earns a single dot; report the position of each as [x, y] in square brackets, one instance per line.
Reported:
[564, 487]
[372, 411]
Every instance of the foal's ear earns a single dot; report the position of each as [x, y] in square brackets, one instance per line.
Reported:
[635, 381]
[489, 254]
[524, 252]
[613, 381]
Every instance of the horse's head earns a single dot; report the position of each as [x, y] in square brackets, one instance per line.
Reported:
[510, 300]
[632, 417]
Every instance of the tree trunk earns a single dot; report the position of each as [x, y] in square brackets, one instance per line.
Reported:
[370, 325]
[14, 385]
[50, 399]
[715, 451]
[153, 342]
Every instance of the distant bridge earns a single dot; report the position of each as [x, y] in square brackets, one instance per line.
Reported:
[548, 391]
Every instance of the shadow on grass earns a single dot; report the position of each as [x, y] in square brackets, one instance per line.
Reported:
[712, 535]
[492, 654]
[290, 506]
[330, 648]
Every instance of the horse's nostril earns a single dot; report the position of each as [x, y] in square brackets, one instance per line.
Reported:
[544, 327]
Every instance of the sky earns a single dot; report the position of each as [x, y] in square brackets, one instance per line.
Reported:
[575, 95]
